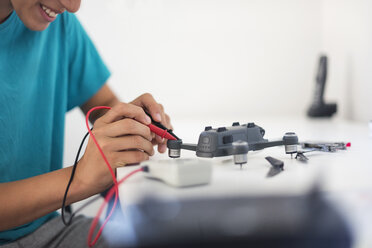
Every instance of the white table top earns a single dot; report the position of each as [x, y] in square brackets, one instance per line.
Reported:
[344, 176]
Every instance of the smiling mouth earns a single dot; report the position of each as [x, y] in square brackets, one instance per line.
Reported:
[49, 12]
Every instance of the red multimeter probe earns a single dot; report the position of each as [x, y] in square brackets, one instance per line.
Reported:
[162, 131]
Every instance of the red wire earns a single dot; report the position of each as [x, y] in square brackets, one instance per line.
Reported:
[102, 207]
[114, 189]
[95, 220]
[95, 141]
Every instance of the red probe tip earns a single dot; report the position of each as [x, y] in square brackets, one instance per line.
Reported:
[348, 144]
[161, 132]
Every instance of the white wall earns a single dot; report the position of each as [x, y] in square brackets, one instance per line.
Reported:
[347, 38]
[203, 58]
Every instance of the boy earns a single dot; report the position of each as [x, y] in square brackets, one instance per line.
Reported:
[48, 65]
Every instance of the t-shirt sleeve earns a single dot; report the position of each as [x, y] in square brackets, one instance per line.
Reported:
[87, 71]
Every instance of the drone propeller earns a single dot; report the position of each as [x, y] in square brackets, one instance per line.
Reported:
[273, 172]
[277, 166]
[276, 163]
[301, 157]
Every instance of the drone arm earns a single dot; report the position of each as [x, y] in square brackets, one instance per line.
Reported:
[290, 141]
[190, 147]
[175, 146]
[260, 146]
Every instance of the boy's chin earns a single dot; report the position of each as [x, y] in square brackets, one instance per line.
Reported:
[37, 26]
[34, 22]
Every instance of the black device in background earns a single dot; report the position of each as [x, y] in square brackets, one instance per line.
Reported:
[318, 107]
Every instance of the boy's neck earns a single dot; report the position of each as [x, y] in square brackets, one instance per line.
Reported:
[5, 10]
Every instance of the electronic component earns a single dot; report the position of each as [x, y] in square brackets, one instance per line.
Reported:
[180, 172]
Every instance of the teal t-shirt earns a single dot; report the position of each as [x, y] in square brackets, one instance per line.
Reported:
[42, 76]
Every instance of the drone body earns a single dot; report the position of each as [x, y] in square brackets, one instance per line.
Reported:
[235, 140]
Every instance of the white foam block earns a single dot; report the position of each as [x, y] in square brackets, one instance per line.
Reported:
[180, 172]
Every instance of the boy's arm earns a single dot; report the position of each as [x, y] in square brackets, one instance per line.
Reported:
[26, 200]
[104, 97]
[124, 138]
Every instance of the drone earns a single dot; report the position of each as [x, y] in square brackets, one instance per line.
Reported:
[236, 140]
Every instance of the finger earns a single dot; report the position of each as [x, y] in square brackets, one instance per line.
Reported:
[162, 148]
[122, 110]
[159, 139]
[131, 142]
[129, 157]
[161, 110]
[163, 117]
[168, 121]
[148, 102]
[127, 127]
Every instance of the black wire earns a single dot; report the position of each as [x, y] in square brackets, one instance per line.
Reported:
[64, 207]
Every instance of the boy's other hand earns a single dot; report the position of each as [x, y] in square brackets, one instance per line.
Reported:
[156, 110]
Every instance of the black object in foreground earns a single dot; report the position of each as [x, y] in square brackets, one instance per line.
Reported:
[232, 221]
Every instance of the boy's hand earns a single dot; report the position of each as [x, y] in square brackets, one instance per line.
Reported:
[124, 138]
[156, 110]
